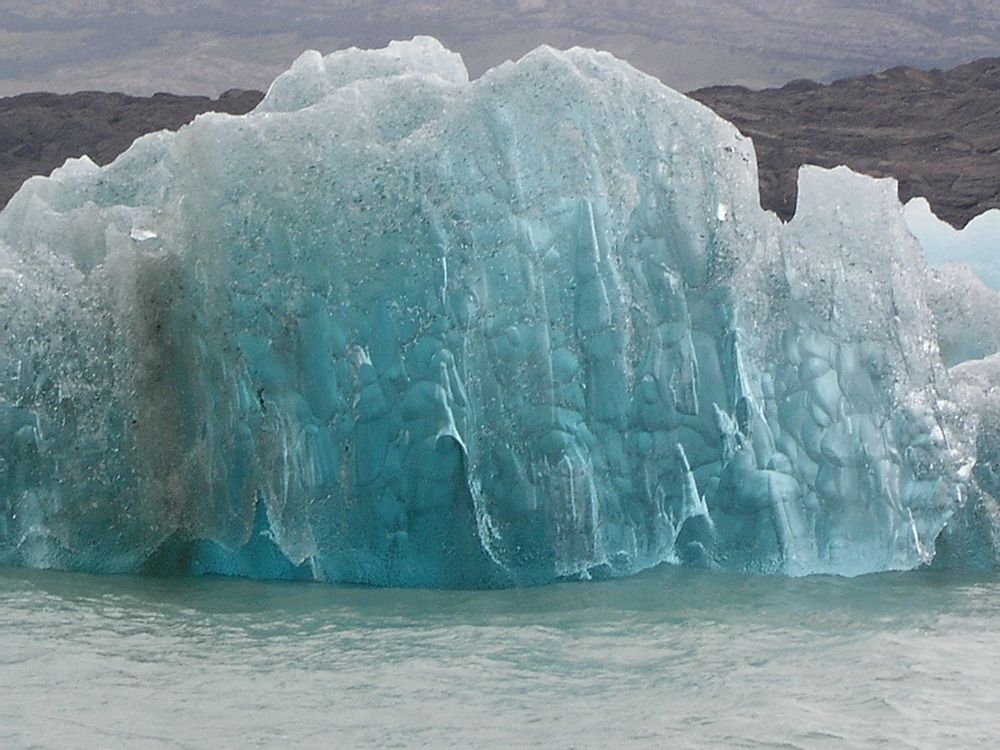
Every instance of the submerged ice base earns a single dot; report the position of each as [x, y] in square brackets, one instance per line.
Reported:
[399, 328]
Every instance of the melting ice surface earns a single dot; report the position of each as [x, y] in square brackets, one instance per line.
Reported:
[400, 328]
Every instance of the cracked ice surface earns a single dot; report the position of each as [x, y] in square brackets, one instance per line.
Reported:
[395, 327]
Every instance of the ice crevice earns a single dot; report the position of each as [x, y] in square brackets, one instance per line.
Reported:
[399, 328]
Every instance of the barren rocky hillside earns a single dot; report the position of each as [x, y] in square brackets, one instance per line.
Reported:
[936, 131]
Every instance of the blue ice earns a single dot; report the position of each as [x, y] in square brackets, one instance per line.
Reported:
[399, 328]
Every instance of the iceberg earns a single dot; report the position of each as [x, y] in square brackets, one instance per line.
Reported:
[397, 327]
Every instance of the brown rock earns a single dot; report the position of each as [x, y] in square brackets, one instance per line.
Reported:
[936, 132]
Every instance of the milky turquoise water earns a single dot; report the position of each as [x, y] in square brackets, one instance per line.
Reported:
[672, 658]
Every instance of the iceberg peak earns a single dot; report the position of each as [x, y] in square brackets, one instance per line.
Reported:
[314, 77]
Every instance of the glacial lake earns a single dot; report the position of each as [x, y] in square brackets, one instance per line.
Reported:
[670, 658]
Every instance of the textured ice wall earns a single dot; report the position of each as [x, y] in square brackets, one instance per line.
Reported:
[966, 314]
[399, 328]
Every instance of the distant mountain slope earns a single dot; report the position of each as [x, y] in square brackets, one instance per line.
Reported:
[206, 46]
[937, 132]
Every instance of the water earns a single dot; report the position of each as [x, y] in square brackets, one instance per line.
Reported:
[672, 658]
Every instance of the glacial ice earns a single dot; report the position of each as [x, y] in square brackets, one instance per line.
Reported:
[400, 328]
[976, 246]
